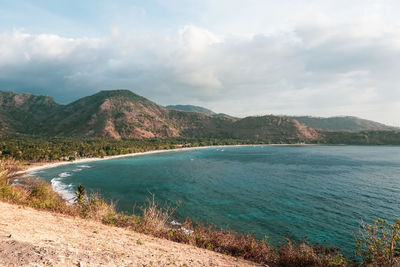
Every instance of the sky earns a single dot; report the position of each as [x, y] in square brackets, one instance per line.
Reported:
[252, 57]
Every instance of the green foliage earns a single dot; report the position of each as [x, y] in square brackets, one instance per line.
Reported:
[191, 108]
[80, 194]
[379, 243]
[42, 196]
[346, 123]
[361, 138]
[93, 206]
[7, 192]
[61, 148]
[303, 254]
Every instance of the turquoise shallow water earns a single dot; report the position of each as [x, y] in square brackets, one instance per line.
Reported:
[321, 192]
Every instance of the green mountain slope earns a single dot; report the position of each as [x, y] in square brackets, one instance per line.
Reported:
[191, 108]
[347, 123]
[114, 114]
[24, 113]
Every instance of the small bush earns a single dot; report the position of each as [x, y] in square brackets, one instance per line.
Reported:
[42, 196]
[379, 243]
[231, 243]
[302, 254]
[155, 217]
[93, 206]
[8, 193]
[12, 194]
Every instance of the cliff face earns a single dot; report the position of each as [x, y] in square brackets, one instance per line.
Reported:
[121, 113]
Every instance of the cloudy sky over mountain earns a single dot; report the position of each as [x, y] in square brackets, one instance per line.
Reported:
[253, 57]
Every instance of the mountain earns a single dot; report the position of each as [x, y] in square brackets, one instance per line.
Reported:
[191, 108]
[123, 114]
[273, 129]
[345, 123]
[24, 113]
[114, 114]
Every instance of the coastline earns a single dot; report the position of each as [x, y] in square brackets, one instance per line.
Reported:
[49, 165]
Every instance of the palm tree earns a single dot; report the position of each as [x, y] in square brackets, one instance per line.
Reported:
[80, 194]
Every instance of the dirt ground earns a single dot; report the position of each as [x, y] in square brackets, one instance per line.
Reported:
[38, 238]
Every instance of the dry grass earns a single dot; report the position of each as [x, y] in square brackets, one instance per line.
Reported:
[156, 217]
[292, 254]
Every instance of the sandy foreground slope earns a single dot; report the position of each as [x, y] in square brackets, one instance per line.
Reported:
[39, 238]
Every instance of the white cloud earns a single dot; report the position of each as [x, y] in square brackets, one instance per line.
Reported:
[326, 69]
[196, 39]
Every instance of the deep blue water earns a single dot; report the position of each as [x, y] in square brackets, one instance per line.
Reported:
[321, 192]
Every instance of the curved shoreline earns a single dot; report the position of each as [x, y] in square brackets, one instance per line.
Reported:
[50, 165]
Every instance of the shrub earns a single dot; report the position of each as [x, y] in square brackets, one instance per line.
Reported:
[379, 243]
[93, 206]
[302, 254]
[231, 243]
[155, 217]
[42, 196]
[8, 169]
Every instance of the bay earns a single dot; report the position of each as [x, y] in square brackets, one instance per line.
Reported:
[318, 192]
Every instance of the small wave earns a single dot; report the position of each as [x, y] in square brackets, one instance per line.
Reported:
[77, 170]
[63, 189]
[16, 182]
[30, 174]
[84, 166]
[179, 225]
[64, 174]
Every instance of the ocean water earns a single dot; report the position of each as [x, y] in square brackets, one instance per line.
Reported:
[318, 192]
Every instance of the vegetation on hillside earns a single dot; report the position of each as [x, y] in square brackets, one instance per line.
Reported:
[191, 108]
[360, 138]
[39, 149]
[123, 114]
[344, 123]
[36, 149]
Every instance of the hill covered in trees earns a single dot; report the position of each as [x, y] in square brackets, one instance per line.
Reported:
[191, 108]
[123, 114]
[344, 123]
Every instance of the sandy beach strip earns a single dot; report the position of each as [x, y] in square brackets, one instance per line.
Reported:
[48, 165]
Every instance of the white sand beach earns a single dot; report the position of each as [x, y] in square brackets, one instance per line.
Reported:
[48, 165]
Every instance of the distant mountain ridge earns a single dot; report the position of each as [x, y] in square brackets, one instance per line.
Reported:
[338, 123]
[124, 114]
[343, 123]
[191, 108]
[198, 109]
